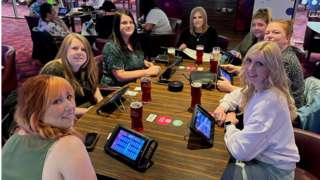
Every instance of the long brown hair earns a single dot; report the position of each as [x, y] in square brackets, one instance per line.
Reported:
[89, 71]
[277, 78]
[33, 100]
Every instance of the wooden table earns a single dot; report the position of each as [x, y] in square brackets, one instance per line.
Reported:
[172, 159]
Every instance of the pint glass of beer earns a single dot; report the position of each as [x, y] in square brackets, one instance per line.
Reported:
[199, 49]
[171, 54]
[136, 113]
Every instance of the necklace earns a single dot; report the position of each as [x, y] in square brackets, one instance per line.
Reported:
[198, 37]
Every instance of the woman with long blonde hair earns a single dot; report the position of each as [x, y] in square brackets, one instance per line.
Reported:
[265, 147]
[75, 63]
[46, 146]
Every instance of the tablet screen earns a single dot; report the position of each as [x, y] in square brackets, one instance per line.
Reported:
[226, 75]
[127, 144]
[203, 124]
[63, 11]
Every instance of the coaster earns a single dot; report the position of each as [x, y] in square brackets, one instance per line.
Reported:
[151, 117]
[131, 93]
[163, 120]
[177, 123]
[200, 69]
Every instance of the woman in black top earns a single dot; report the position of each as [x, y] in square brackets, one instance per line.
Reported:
[199, 32]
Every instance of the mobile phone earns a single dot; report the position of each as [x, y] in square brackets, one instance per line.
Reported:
[91, 140]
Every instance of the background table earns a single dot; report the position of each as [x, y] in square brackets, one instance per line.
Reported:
[172, 159]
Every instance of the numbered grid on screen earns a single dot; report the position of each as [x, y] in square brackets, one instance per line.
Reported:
[127, 144]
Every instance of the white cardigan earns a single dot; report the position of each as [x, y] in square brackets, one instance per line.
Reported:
[267, 135]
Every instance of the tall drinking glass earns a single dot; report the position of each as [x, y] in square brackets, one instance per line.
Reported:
[136, 114]
[214, 61]
[171, 54]
[195, 94]
[199, 49]
[146, 89]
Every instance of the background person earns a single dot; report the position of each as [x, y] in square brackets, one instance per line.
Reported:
[199, 32]
[266, 143]
[260, 20]
[123, 58]
[46, 146]
[154, 19]
[75, 62]
[280, 32]
[50, 21]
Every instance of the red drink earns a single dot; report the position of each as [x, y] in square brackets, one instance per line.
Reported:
[195, 94]
[213, 66]
[199, 50]
[136, 114]
[146, 89]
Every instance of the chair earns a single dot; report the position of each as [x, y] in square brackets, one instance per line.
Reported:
[32, 22]
[308, 145]
[175, 24]
[98, 46]
[99, 62]
[9, 73]
[311, 42]
[301, 54]
[44, 46]
[223, 42]
[152, 43]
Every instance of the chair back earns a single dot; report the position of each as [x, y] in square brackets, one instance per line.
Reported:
[309, 149]
[152, 43]
[175, 24]
[99, 62]
[32, 22]
[44, 46]
[301, 55]
[9, 73]
[223, 42]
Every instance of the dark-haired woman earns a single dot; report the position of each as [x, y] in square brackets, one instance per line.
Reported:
[123, 59]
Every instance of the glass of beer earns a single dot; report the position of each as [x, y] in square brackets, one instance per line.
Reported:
[136, 114]
[216, 53]
[146, 89]
[171, 54]
[199, 49]
[195, 93]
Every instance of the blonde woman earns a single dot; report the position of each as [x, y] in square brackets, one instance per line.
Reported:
[265, 147]
[75, 63]
[46, 146]
[199, 32]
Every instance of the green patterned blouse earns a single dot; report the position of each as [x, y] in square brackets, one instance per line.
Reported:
[116, 59]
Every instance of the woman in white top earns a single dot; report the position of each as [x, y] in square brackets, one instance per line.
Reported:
[266, 143]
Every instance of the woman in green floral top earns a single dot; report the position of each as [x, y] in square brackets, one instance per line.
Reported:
[123, 58]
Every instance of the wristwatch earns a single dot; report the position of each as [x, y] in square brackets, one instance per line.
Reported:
[226, 123]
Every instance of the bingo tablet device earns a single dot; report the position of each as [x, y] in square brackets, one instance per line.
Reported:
[225, 74]
[114, 101]
[131, 147]
[202, 123]
[63, 11]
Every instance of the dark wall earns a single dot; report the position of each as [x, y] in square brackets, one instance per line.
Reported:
[221, 13]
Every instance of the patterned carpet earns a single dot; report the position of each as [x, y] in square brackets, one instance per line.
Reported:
[15, 32]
